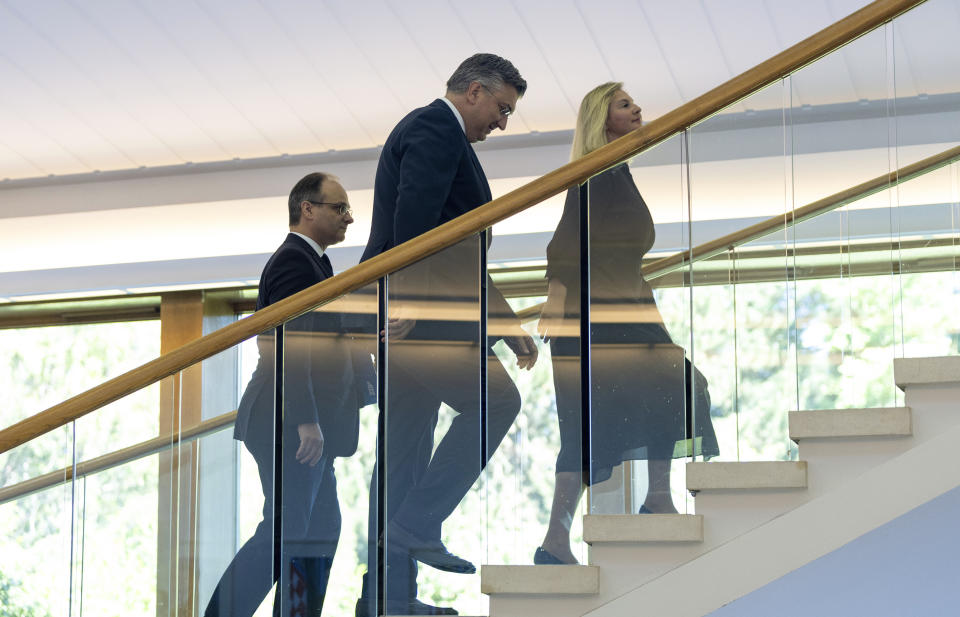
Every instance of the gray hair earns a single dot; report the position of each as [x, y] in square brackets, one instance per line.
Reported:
[490, 71]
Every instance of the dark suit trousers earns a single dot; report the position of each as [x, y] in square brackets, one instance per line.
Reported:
[423, 490]
[310, 532]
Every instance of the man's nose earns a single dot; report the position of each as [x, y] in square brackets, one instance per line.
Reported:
[502, 122]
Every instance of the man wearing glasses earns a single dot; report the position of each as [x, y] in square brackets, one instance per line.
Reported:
[428, 174]
[320, 420]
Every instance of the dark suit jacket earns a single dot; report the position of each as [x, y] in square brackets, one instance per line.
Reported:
[428, 174]
[318, 373]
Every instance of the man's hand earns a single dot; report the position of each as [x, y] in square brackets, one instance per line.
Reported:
[398, 329]
[311, 444]
[525, 348]
[551, 316]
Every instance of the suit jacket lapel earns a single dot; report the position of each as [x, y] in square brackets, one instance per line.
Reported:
[483, 177]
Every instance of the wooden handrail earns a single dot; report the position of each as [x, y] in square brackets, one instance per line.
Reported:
[116, 458]
[798, 215]
[827, 40]
[740, 237]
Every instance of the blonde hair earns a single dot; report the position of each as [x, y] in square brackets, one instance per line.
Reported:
[591, 132]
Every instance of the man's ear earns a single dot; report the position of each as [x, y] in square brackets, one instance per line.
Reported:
[473, 92]
[305, 209]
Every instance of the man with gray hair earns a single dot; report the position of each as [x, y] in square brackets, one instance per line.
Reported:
[428, 174]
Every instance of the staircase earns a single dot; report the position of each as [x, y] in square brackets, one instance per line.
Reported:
[756, 522]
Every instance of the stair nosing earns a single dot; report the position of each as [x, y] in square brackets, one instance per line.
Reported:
[628, 524]
[542, 587]
[800, 473]
[901, 427]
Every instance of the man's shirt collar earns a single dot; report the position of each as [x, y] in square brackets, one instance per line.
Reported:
[311, 242]
[456, 113]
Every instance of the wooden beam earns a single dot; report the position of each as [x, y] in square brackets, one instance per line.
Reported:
[181, 321]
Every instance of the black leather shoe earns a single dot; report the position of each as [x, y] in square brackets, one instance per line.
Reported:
[416, 607]
[413, 607]
[543, 557]
[430, 552]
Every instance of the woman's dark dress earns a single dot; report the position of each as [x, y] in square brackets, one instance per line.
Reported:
[642, 390]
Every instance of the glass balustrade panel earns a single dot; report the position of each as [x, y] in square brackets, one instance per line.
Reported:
[440, 422]
[37, 525]
[844, 288]
[123, 497]
[532, 485]
[661, 175]
[927, 225]
[329, 393]
[739, 342]
[215, 531]
[638, 409]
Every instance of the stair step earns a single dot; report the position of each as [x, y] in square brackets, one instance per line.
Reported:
[877, 422]
[746, 475]
[642, 528]
[921, 371]
[538, 580]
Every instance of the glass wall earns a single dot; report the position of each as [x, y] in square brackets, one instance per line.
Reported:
[43, 531]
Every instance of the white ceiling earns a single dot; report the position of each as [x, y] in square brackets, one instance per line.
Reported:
[98, 85]
[204, 107]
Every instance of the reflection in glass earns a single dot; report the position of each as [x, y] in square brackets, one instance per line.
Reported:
[326, 377]
[441, 374]
[433, 358]
[648, 402]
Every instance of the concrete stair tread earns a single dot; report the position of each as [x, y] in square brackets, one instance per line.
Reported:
[540, 580]
[746, 475]
[925, 371]
[829, 423]
[642, 528]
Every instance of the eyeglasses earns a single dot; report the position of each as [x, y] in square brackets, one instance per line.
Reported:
[505, 110]
[341, 208]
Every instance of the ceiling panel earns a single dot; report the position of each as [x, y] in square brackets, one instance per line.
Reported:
[568, 46]
[13, 164]
[288, 80]
[690, 49]
[344, 67]
[52, 34]
[118, 84]
[927, 54]
[545, 106]
[392, 51]
[215, 61]
[726, 21]
[633, 55]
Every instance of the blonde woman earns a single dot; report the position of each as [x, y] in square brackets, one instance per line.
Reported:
[642, 386]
